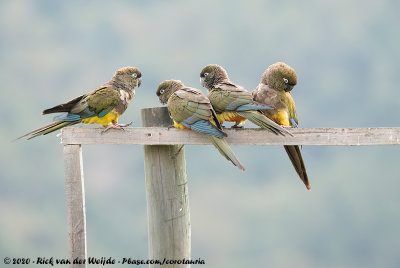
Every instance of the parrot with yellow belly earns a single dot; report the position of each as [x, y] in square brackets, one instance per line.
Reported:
[274, 89]
[103, 105]
[233, 103]
[191, 109]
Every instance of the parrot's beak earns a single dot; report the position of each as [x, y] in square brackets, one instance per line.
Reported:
[289, 88]
[139, 82]
[202, 82]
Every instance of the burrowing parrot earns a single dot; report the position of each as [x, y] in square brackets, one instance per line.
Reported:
[103, 105]
[233, 103]
[274, 89]
[191, 109]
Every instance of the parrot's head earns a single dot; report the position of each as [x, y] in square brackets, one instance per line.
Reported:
[167, 88]
[130, 76]
[212, 75]
[280, 76]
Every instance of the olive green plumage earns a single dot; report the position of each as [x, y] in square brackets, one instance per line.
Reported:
[212, 75]
[279, 76]
[191, 109]
[223, 95]
[274, 89]
[117, 93]
[102, 106]
[234, 103]
[222, 92]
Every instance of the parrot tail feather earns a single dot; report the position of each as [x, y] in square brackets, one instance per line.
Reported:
[264, 122]
[294, 154]
[65, 107]
[226, 151]
[47, 129]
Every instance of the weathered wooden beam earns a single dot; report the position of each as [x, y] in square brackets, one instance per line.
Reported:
[167, 196]
[74, 185]
[246, 136]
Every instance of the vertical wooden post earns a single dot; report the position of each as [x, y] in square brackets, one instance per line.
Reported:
[167, 195]
[75, 203]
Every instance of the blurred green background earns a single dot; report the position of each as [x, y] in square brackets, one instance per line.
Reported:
[347, 58]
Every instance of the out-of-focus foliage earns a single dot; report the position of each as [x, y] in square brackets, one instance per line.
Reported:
[347, 57]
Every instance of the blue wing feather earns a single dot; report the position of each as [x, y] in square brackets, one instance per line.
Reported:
[252, 107]
[67, 117]
[106, 111]
[204, 126]
[192, 119]
[232, 106]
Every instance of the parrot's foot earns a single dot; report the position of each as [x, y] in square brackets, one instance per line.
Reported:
[115, 126]
[124, 125]
[286, 126]
[236, 126]
[171, 126]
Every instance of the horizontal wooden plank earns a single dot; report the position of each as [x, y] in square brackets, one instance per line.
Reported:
[249, 136]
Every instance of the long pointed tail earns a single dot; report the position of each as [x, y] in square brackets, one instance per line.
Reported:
[264, 122]
[224, 148]
[294, 154]
[47, 129]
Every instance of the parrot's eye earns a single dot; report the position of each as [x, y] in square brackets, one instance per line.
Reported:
[285, 80]
[161, 91]
[205, 74]
[134, 75]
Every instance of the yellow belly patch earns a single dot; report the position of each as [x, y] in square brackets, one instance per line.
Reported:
[179, 125]
[104, 121]
[231, 117]
[281, 117]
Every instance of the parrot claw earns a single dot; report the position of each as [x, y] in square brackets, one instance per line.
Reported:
[171, 126]
[116, 126]
[124, 125]
[236, 126]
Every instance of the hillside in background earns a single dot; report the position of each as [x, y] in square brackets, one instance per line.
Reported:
[347, 59]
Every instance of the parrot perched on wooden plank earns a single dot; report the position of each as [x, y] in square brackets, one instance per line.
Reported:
[233, 103]
[274, 89]
[103, 105]
[191, 109]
